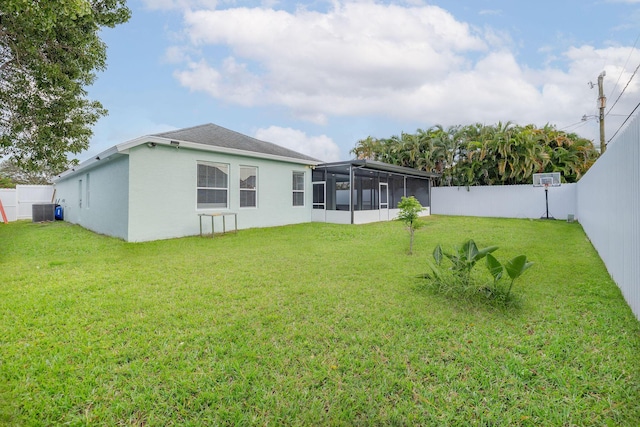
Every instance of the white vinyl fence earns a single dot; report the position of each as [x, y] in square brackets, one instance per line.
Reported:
[505, 201]
[606, 202]
[18, 202]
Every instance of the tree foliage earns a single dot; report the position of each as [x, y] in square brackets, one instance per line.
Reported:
[409, 214]
[485, 154]
[49, 53]
[11, 174]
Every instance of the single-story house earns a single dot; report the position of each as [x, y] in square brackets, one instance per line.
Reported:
[155, 187]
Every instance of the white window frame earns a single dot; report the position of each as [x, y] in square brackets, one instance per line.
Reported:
[297, 191]
[88, 192]
[254, 189]
[215, 165]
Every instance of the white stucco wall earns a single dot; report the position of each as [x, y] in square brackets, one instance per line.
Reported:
[162, 198]
[505, 201]
[104, 208]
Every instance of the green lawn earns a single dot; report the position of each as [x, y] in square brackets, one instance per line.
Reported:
[313, 324]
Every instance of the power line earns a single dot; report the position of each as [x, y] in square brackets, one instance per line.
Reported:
[577, 125]
[624, 67]
[623, 123]
[625, 88]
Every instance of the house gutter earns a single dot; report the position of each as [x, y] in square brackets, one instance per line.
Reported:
[88, 164]
[154, 141]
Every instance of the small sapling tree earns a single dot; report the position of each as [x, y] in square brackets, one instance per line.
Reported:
[410, 209]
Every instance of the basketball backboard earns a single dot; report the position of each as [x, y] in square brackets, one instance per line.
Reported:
[550, 179]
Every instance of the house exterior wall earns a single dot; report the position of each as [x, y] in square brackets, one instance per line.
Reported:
[504, 201]
[96, 198]
[163, 195]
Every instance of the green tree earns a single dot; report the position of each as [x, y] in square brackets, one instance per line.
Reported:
[479, 154]
[16, 175]
[6, 182]
[409, 214]
[49, 53]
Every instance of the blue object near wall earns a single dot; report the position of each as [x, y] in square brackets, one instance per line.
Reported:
[59, 213]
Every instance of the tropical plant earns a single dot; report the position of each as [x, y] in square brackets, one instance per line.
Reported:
[458, 279]
[409, 214]
[478, 154]
[515, 267]
[464, 258]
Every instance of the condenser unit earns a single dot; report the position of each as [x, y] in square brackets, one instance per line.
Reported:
[43, 212]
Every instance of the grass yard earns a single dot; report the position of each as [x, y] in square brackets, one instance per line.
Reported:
[313, 324]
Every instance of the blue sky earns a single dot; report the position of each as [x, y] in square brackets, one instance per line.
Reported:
[318, 76]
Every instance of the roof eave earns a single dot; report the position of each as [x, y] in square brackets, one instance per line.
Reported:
[87, 164]
[153, 141]
[177, 143]
[372, 164]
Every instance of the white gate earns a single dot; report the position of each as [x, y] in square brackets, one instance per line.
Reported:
[18, 202]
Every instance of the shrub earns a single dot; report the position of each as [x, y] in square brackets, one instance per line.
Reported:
[410, 209]
[458, 278]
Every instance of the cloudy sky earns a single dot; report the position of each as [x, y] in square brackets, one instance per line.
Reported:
[318, 76]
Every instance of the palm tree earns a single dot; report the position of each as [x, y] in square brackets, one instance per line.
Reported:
[479, 154]
[368, 148]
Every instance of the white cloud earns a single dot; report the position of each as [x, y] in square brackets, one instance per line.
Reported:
[320, 147]
[175, 55]
[366, 59]
[334, 63]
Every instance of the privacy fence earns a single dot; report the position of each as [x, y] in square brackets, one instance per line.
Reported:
[18, 202]
[505, 201]
[606, 201]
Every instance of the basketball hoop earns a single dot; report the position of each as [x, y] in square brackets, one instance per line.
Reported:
[546, 180]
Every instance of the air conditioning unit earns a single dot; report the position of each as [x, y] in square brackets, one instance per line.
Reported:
[43, 212]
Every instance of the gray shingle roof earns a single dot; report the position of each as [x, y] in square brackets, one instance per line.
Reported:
[214, 135]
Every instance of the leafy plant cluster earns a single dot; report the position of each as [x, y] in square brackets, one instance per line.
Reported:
[458, 278]
[478, 154]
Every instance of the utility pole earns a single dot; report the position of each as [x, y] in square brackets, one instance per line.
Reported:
[602, 103]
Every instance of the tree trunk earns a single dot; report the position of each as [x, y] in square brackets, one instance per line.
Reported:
[411, 241]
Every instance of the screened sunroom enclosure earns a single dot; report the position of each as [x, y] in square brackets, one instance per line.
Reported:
[362, 191]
